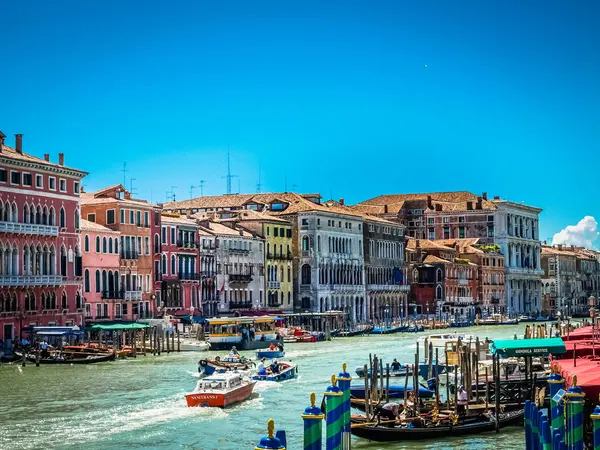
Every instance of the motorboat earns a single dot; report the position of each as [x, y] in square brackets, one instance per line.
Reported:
[221, 390]
[286, 370]
[228, 363]
[66, 359]
[244, 333]
[395, 391]
[402, 372]
[270, 354]
[193, 345]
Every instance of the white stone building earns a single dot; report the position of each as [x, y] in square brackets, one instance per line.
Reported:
[516, 230]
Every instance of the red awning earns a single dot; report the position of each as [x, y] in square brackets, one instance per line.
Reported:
[186, 312]
[587, 372]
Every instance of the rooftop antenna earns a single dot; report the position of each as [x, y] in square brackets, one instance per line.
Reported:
[131, 188]
[201, 186]
[258, 185]
[192, 187]
[229, 176]
[173, 191]
[124, 170]
[330, 194]
[294, 186]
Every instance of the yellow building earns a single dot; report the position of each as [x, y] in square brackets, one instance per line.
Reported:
[277, 233]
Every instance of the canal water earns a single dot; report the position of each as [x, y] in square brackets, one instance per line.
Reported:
[139, 403]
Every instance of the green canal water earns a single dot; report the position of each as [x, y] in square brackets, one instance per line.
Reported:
[139, 403]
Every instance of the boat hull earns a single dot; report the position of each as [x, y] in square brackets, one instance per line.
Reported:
[360, 372]
[210, 367]
[284, 375]
[219, 400]
[88, 360]
[390, 434]
[194, 346]
[394, 391]
[270, 354]
[241, 345]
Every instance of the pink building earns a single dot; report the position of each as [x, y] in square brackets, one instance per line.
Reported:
[40, 256]
[180, 278]
[102, 292]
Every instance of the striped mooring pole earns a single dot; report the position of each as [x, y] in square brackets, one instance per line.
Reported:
[574, 400]
[527, 422]
[546, 434]
[271, 442]
[557, 411]
[313, 426]
[595, 416]
[535, 438]
[333, 419]
[344, 380]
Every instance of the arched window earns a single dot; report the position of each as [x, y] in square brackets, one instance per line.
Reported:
[416, 276]
[116, 246]
[104, 245]
[104, 281]
[289, 297]
[97, 244]
[76, 221]
[86, 281]
[304, 243]
[173, 267]
[156, 244]
[438, 292]
[51, 217]
[78, 304]
[86, 243]
[110, 245]
[318, 243]
[97, 288]
[164, 264]
[63, 301]
[63, 261]
[306, 275]
[63, 219]
[438, 275]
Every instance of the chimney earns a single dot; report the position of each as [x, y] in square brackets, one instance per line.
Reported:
[19, 143]
[479, 201]
[2, 136]
[560, 246]
[47, 157]
[429, 202]
[342, 201]
[572, 247]
[484, 195]
[496, 197]
[385, 209]
[61, 159]
[469, 205]
[241, 232]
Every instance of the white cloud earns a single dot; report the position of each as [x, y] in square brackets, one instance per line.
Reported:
[582, 234]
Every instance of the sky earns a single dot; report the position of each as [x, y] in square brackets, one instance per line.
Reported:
[348, 99]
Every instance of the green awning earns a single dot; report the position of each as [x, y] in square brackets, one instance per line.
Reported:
[118, 326]
[528, 347]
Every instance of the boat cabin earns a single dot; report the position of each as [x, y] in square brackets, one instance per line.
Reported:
[236, 326]
[219, 383]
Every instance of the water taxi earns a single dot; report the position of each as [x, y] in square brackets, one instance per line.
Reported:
[221, 390]
[245, 333]
[229, 362]
[194, 345]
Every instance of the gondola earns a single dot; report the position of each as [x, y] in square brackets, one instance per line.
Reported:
[88, 360]
[474, 425]
[402, 372]
[355, 332]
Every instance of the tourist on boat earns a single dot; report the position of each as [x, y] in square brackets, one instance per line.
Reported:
[274, 367]
[252, 332]
[44, 348]
[395, 364]
[389, 411]
[272, 347]
[261, 367]
[233, 353]
[244, 333]
[462, 401]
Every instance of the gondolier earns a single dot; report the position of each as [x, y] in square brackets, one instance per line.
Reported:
[462, 401]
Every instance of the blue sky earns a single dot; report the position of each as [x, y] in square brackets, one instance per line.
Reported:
[349, 99]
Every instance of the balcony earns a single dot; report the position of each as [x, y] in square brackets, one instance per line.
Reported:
[273, 284]
[347, 287]
[186, 244]
[30, 280]
[274, 304]
[285, 256]
[133, 295]
[463, 282]
[129, 254]
[28, 228]
[240, 305]
[112, 295]
[239, 278]
[388, 287]
[239, 251]
[209, 247]
[189, 276]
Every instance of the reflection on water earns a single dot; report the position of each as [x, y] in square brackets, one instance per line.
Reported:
[140, 403]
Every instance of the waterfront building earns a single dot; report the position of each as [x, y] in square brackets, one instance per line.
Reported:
[570, 279]
[277, 234]
[442, 282]
[115, 208]
[387, 286]
[40, 254]
[180, 278]
[209, 295]
[103, 296]
[240, 271]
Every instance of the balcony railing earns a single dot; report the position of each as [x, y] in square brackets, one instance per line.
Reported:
[133, 295]
[209, 247]
[239, 278]
[28, 228]
[239, 251]
[189, 276]
[273, 284]
[208, 273]
[463, 282]
[31, 280]
[129, 254]
[113, 295]
[186, 244]
[282, 256]
[240, 305]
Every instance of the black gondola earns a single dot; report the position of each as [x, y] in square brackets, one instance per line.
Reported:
[88, 360]
[355, 332]
[382, 433]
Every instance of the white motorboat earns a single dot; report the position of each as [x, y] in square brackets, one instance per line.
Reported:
[193, 345]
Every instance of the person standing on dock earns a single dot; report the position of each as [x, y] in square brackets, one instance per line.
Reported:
[462, 401]
[395, 364]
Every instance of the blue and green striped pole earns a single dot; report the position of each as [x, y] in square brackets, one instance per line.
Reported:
[527, 421]
[333, 419]
[270, 442]
[344, 380]
[595, 416]
[546, 435]
[534, 427]
[556, 382]
[313, 426]
[574, 400]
